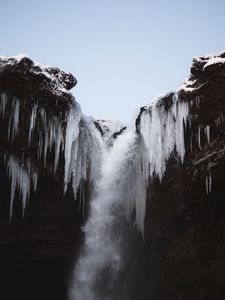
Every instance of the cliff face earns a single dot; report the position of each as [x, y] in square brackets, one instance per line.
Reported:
[182, 254]
[37, 250]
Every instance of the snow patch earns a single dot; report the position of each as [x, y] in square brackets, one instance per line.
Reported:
[214, 61]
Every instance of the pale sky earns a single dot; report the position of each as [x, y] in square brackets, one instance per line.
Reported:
[122, 52]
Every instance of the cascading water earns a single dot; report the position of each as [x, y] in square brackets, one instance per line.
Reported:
[115, 162]
[101, 253]
[120, 193]
[118, 162]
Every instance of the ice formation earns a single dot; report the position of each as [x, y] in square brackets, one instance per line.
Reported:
[163, 132]
[13, 127]
[109, 128]
[3, 103]
[208, 134]
[32, 123]
[81, 141]
[21, 176]
[102, 244]
[208, 183]
[53, 135]
[49, 128]
[83, 152]
[199, 138]
[126, 171]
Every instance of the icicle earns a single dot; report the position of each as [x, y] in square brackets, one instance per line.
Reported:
[162, 132]
[208, 134]
[199, 137]
[83, 150]
[53, 135]
[40, 145]
[32, 122]
[59, 140]
[21, 178]
[71, 147]
[46, 144]
[34, 179]
[3, 104]
[208, 183]
[9, 127]
[126, 169]
[181, 121]
[15, 126]
[197, 102]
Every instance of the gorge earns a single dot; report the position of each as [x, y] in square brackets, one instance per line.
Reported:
[93, 209]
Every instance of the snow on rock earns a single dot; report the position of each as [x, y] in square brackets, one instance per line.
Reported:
[202, 63]
[214, 61]
[23, 63]
[200, 67]
[109, 127]
[26, 78]
[110, 130]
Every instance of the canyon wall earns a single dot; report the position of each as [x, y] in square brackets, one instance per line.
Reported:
[180, 253]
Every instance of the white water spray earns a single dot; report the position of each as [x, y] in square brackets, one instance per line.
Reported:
[120, 168]
[121, 190]
[102, 238]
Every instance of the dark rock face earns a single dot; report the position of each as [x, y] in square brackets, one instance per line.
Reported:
[182, 256]
[24, 78]
[37, 251]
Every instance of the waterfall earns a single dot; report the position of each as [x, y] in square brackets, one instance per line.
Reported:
[101, 253]
[118, 163]
[119, 196]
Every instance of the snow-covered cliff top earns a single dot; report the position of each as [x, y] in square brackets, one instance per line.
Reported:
[201, 68]
[25, 77]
